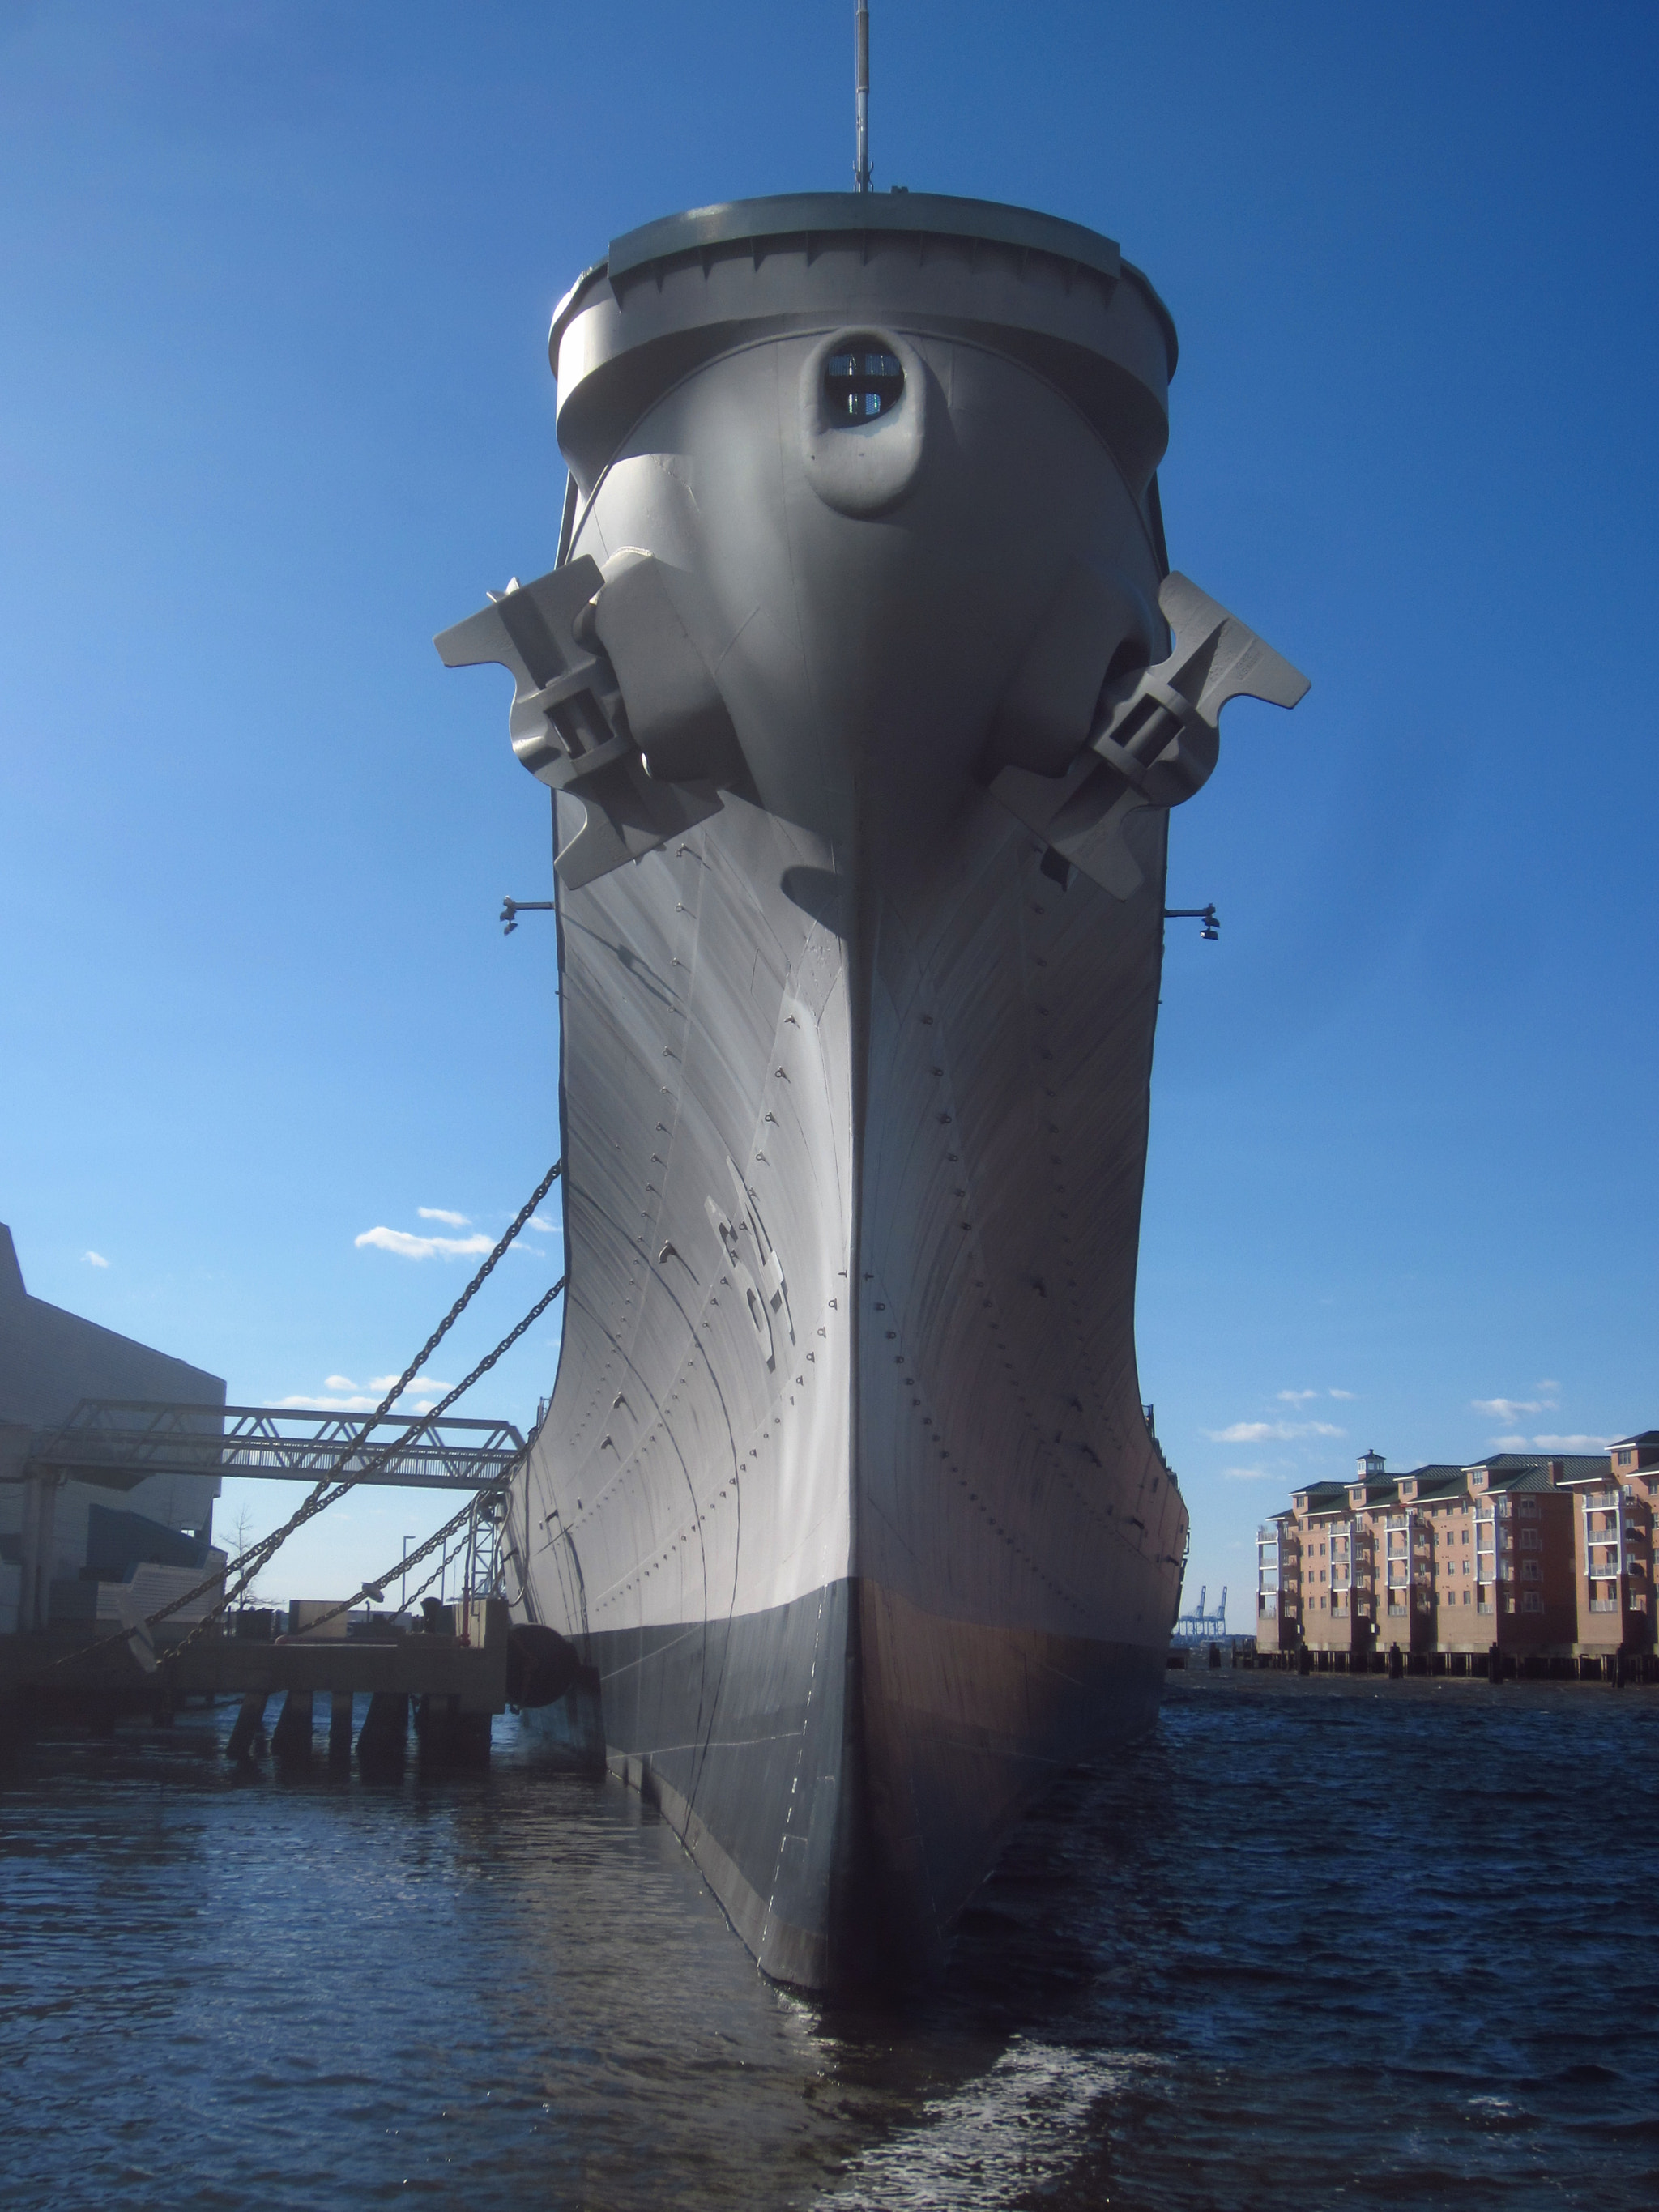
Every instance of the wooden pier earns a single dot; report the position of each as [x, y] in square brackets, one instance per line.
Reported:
[450, 1687]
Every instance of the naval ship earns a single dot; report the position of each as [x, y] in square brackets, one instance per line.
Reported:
[863, 691]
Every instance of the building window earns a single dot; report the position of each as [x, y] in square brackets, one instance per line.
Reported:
[1532, 1602]
[1466, 1597]
[1532, 1571]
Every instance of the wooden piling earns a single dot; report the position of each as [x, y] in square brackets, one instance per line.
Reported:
[449, 1737]
[247, 1737]
[290, 1739]
[339, 1728]
[383, 1744]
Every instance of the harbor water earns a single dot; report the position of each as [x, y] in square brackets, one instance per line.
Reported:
[1314, 1943]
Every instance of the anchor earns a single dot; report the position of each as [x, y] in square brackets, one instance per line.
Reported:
[1155, 742]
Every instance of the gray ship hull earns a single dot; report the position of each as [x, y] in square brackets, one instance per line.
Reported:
[846, 1487]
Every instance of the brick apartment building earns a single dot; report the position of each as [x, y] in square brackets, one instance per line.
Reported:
[1540, 1556]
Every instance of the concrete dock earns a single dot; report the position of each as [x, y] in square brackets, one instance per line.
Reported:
[452, 1687]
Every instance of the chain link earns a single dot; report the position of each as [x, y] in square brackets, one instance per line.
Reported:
[329, 1491]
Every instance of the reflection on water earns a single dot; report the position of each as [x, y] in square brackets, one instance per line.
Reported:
[1312, 1944]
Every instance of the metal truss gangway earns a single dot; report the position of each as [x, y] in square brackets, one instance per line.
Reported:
[118, 1442]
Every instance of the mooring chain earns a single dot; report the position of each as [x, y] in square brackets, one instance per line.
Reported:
[259, 1555]
[329, 1490]
[452, 1528]
[326, 1495]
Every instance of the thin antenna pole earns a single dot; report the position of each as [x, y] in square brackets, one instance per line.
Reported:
[861, 94]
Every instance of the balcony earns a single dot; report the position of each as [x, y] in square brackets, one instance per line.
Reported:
[1604, 1605]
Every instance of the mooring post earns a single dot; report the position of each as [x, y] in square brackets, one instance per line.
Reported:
[247, 1736]
[290, 1739]
[339, 1728]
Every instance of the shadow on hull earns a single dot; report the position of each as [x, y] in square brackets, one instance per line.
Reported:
[901, 1748]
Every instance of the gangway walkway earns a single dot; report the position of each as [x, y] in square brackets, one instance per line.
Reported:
[118, 1442]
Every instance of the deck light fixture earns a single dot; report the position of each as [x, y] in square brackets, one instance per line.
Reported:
[512, 908]
[1212, 929]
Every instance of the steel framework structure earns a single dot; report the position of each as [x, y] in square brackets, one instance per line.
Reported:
[117, 1443]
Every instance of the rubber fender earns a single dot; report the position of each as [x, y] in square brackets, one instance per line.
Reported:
[542, 1666]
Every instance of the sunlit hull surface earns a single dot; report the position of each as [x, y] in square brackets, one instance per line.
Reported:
[846, 1487]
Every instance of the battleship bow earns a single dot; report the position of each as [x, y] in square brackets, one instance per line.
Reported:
[856, 693]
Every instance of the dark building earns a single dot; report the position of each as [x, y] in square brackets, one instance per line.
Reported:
[76, 1532]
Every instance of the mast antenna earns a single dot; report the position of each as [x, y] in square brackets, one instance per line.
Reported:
[861, 93]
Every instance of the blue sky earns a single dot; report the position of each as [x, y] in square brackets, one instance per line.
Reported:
[275, 281]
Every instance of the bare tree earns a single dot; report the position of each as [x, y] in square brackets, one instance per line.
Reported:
[241, 1536]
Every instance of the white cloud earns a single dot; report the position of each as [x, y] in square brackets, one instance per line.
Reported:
[547, 1228]
[1341, 1394]
[422, 1247]
[94, 1260]
[1574, 1444]
[1507, 1443]
[443, 1213]
[340, 1394]
[1247, 1475]
[1260, 1432]
[1297, 1397]
[1510, 1409]
[1546, 1385]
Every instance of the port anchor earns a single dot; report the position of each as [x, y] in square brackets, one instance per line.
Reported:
[1156, 739]
[1211, 931]
[512, 908]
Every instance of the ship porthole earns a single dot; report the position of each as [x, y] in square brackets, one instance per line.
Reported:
[862, 382]
[862, 419]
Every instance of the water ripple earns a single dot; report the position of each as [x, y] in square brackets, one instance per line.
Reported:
[1312, 1945]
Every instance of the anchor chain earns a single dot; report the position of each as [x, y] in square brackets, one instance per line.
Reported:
[328, 1493]
[325, 1495]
